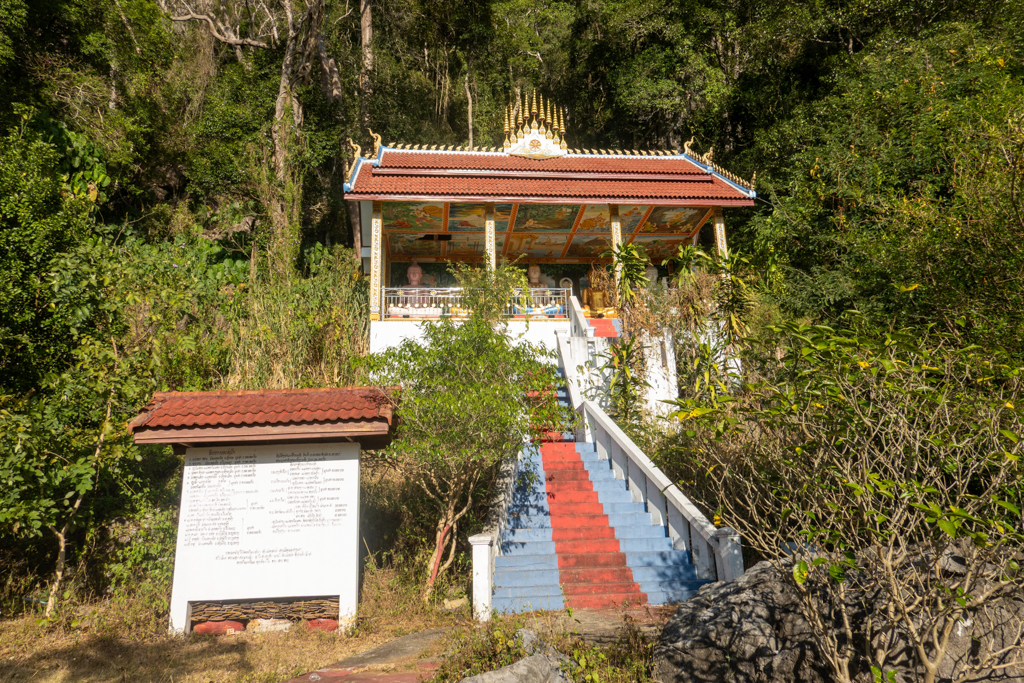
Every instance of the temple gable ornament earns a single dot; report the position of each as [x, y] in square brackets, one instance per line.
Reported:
[536, 134]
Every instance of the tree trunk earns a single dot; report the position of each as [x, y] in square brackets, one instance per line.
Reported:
[58, 578]
[469, 104]
[366, 44]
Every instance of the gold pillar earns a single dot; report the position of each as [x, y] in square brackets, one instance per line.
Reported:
[613, 215]
[489, 250]
[720, 244]
[376, 228]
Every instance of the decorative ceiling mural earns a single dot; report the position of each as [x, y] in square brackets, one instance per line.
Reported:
[595, 219]
[404, 247]
[672, 220]
[537, 246]
[588, 246]
[471, 217]
[546, 217]
[466, 247]
[630, 216]
[423, 217]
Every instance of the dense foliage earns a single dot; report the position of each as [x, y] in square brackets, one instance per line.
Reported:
[171, 213]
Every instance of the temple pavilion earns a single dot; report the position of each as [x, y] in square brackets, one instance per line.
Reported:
[534, 199]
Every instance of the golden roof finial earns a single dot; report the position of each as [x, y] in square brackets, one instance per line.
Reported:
[561, 125]
[376, 141]
[508, 143]
[686, 147]
[518, 104]
[542, 129]
[551, 124]
[533, 113]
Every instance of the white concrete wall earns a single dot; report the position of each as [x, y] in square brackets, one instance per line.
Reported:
[385, 334]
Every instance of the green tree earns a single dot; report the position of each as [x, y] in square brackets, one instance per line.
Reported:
[468, 397]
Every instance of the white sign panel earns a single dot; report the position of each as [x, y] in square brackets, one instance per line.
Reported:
[260, 522]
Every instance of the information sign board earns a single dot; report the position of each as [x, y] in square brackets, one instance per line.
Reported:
[260, 522]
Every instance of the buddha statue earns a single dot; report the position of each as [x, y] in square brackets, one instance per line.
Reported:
[414, 274]
[533, 275]
[596, 302]
[414, 300]
[651, 273]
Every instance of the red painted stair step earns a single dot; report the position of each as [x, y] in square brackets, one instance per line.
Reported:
[591, 560]
[595, 575]
[592, 568]
[605, 601]
[598, 588]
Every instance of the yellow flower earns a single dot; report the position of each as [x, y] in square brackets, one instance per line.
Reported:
[863, 364]
[1009, 405]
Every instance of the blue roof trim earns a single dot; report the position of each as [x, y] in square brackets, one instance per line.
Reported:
[749, 193]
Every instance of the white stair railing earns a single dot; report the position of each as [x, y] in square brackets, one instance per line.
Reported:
[716, 553]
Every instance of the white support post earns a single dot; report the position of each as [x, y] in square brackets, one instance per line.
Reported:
[729, 559]
[618, 458]
[637, 482]
[720, 243]
[491, 254]
[483, 575]
[376, 229]
[678, 529]
[703, 557]
[655, 503]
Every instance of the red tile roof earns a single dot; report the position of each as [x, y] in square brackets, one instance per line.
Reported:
[690, 188]
[677, 165]
[190, 417]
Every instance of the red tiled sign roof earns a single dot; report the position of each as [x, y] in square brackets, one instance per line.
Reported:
[266, 414]
[407, 175]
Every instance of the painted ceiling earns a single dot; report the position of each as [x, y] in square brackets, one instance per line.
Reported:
[454, 231]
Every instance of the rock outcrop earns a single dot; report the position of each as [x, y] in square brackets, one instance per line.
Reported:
[751, 631]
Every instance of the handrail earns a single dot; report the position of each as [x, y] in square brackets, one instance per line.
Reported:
[578, 324]
[715, 552]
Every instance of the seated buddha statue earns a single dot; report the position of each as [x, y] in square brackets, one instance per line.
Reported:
[596, 302]
[415, 299]
[543, 301]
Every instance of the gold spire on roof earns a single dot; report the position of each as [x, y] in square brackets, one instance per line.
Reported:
[561, 126]
[508, 144]
[542, 129]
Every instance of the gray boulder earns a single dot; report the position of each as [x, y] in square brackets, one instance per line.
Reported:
[747, 630]
[751, 631]
[544, 665]
[532, 669]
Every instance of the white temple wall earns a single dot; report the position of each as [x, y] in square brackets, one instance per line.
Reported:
[385, 334]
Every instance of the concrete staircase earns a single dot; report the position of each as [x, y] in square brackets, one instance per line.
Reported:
[575, 538]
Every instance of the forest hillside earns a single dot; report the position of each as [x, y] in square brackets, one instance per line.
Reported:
[172, 214]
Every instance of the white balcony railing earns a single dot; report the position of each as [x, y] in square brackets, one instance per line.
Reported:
[437, 302]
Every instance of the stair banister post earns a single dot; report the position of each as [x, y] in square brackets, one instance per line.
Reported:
[483, 575]
[655, 502]
[678, 529]
[729, 558]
